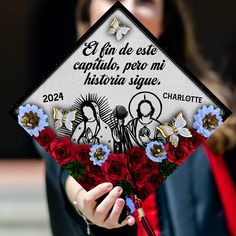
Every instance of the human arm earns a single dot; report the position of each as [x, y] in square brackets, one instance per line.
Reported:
[104, 214]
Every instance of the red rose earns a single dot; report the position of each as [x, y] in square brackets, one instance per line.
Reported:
[87, 182]
[45, 138]
[136, 157]
[98, 179]
[63, 151]
[179, 154]
[83, 154]
[148, 173]
[95, 169]
[139, 178]
[115, 168]
[148, 166]
[155, 179]
[145, 191]
[95, 172]
[196, 139]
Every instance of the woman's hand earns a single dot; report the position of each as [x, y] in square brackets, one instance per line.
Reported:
[105, 214]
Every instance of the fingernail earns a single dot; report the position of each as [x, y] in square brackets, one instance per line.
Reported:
[120, 202]
[130, 220]
[109, 186]
[119, 189]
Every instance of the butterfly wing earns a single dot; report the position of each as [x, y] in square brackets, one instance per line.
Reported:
[174, 139]
[58, 117]
[166, 130]
[58, 124]
[185, 132]
[69, 117]
[124, 30]
[111, 31]
[57, 114]
[180, 122]
[119, 35]
[69, 125]
[115, 24]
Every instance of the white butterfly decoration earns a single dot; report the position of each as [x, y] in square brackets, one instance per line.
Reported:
[172, 131]
[63, 117]
[118, 28]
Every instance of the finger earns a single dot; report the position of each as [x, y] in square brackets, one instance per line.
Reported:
[97, 192]
[104, 207]
[130, 220]
[115, 214]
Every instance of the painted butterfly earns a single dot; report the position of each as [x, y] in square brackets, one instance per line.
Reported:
[118, 28]
[172, 131]
[63, 117]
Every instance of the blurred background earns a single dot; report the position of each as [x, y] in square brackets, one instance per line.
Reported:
[24, 26]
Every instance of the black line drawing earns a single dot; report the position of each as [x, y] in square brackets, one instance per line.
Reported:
[121, 139]
[96, 122]
[92, 123]
[144, 108]
[88, 130]
[13, 110]
[142, 128]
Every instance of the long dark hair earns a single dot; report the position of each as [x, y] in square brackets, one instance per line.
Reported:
[177, 36]
[178, 39]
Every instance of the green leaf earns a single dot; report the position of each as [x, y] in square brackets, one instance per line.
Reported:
[75, 169]
[166, 168]
[126, 186]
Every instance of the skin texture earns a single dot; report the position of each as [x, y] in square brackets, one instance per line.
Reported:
[150, 13]
[98, 213]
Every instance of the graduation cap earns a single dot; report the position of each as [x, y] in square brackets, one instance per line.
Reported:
[119, 109]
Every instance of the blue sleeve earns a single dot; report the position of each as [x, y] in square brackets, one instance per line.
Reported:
[189, 200]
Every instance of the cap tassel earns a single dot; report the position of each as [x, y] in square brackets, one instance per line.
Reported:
[143, 218]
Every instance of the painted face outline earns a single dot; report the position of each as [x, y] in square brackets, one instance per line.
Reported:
[145, 109]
